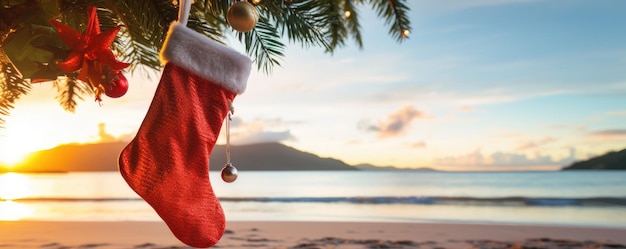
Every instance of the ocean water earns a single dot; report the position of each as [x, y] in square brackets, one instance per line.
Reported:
[592, 198]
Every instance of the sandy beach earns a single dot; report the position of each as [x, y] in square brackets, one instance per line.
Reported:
[109, 235]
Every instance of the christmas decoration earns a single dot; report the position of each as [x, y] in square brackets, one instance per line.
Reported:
[33, 46]
[242, 16]
[90, 53]
[229, 173]
[118, 88]
[167, 161]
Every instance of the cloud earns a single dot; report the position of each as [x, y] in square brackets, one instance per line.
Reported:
[429, 8]
[609, 133]
[466, 108]
[477, 3]
[103, 135]
[537, 143]
[418, 145]
[256, 131]
[502, 159]
[106, 137]
[261, 136]
[621, 113]
[397, 123]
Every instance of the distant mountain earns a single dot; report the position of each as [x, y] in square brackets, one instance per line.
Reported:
[103, 157]
[273, 156]
[609, 161]
[367, 166]
[73, 157]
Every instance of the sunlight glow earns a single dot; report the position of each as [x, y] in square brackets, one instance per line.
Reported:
[9, 157]
[19, 138]
[14, 186]
[10, 210]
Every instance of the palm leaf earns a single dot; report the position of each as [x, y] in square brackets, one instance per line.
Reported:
[320, 23]
[352, 22]
[263, 44]
[12, 87]
[145, 26]
[395, 13]
[300, 21]
[70, 90]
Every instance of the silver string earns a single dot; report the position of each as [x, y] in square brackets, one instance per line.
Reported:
[228, 119]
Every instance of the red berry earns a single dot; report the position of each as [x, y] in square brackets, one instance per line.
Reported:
[118, 88]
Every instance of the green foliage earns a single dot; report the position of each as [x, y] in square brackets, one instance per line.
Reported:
[322, 23]
[12, 86]
[70, 90]
[263, 44]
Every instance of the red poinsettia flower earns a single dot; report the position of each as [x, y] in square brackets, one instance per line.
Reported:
[90, 51]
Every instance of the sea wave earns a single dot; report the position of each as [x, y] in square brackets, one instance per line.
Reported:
[412, 200]
[465, 201]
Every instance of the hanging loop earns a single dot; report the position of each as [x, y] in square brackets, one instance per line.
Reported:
[228, 119]
[183, 11]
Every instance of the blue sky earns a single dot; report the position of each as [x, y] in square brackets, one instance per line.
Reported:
[479, 85]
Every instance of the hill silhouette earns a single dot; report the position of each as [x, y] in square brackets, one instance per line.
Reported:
[103, 157]
[273, 156]
[609, 161]
[367, 166]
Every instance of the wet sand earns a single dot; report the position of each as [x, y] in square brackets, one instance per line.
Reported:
[309, 235]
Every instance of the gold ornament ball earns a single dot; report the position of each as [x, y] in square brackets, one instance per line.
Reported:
[242, 16]
[229, 173]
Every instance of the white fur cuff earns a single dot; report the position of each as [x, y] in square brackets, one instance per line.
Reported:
[206, 58]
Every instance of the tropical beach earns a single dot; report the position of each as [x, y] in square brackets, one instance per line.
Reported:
[118, 235]
[330, 209]
[469, 124]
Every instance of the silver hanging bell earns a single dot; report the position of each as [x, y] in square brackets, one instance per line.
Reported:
[229, 173]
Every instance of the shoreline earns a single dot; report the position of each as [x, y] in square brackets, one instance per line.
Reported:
[293, 234]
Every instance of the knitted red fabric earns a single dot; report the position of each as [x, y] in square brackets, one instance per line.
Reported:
[167, 161]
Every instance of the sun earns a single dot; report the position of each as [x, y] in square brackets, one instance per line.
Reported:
[11, 156]
[17, 140]
[12, 152]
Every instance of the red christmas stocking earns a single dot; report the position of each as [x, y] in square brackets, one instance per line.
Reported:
[167, 163]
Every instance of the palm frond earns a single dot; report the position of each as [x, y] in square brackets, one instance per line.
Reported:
[12, 87]
[320, 23]
[300, 21]
[352, 22]
[145, 27]
[263, 44]
[214, 7]
[395, 13]
[70, 90]
[335, 30]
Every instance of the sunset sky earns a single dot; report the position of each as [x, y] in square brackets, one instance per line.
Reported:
[479, 85]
